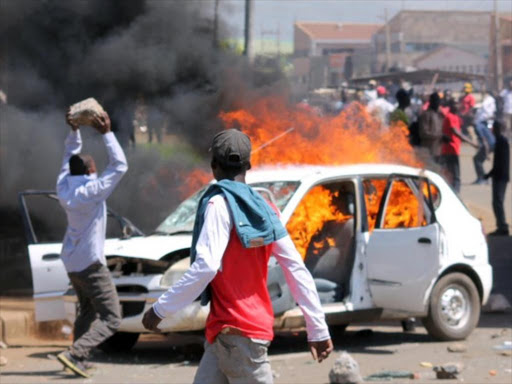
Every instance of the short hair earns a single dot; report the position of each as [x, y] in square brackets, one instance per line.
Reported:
[452, 104]
[79, 164]
[434, 101]
[403, 97]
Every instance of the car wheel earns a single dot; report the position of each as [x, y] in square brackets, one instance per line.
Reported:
[119, 342]
[454, 308]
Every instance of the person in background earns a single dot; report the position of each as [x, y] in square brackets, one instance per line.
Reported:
[506, 96]
[431, 127]
[483, 120]
[444, 108]
[380, 107]
[500, 174]
[450, 149]
[82, 194]
[370, 93]
[467, 103]
[235, 233]
[399, 114]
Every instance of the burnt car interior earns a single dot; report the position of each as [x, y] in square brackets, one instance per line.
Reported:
[329, 249]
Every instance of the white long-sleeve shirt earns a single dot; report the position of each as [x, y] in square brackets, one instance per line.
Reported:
[486, 110]
[211, 245]
[83, 198]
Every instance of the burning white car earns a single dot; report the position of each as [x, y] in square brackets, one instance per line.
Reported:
[381, 241]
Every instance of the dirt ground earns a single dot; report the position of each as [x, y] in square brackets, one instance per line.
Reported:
[156, 359]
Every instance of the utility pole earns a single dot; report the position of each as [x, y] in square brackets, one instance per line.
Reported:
[497, 50]
[249, 13]
[216, 23]
[388, 40]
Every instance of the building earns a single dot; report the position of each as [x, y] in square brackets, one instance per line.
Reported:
[412, 34]
[454, 59]
[321, 49]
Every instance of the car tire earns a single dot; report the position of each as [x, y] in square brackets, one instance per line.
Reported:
[119, 342]
[454, 308]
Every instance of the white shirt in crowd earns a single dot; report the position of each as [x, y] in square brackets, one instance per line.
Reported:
[487, 109]
[506, 94]
[211, 245]
[381, 108]
[370, 95]
[83, 198]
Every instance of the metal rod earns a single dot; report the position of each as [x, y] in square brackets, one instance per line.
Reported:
[274, 139]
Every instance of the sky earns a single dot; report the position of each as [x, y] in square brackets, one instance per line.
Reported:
[271, 15]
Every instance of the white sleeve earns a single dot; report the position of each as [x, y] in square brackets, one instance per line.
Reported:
[101, 188]
[302, 287]
[211, 245]
[72, 146]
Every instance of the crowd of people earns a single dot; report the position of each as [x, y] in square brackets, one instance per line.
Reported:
[438, 123]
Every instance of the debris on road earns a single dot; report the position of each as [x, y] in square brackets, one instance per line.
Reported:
[448, 370]
[426, 364]
[3, 345]
[506, 346]
[345, 370]
[457, 347]
[493, 372]
[3, 361]
[388, 375]
[506, 353]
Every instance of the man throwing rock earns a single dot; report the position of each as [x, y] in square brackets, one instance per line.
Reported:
[235, 233]
[82, 194]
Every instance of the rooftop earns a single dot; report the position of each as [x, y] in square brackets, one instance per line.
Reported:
[337, 31]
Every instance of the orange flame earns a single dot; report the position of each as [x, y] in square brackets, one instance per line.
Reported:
[351, 137]
[309, 217]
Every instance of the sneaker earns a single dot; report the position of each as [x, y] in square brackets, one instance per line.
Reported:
[71, 362]
[480, 182]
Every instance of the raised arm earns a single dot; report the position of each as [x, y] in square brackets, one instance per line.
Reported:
[101, 188]
[305, 294]
[72, 146]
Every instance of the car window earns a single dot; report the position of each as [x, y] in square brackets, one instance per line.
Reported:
[282, 191]
[321, 217]
[403, 208]
[434, 193]
[373, 192]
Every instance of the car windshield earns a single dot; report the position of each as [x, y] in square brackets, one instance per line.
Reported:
[182, 219]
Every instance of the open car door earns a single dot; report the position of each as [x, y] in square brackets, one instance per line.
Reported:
[404, 247]
[44, 223]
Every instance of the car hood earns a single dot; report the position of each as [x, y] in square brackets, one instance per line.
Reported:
[152, 247]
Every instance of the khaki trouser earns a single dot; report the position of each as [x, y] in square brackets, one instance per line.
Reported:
[234, 359]
[99, 313]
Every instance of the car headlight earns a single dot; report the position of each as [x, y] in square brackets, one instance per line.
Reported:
[175, 272]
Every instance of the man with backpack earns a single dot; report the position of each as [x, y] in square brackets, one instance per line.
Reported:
[431, 127]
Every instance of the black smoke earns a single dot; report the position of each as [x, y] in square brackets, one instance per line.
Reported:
[54, 53]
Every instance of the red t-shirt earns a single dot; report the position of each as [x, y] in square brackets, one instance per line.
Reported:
[239, 295]
[453, 146]
[467, 103]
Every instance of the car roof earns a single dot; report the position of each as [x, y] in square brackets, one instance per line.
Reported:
[301, 172]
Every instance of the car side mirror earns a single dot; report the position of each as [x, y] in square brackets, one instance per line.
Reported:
[127, 232]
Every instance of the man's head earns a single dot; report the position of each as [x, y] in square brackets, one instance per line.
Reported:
[372, 84]
[452, 105]
[468, 88]
[81, 165]
[497, 128]
[381, 91]
[403, 98]
[434, 101]
[231, 154]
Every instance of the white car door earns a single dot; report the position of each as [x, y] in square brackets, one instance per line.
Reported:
[403, 249]
[44, 226]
